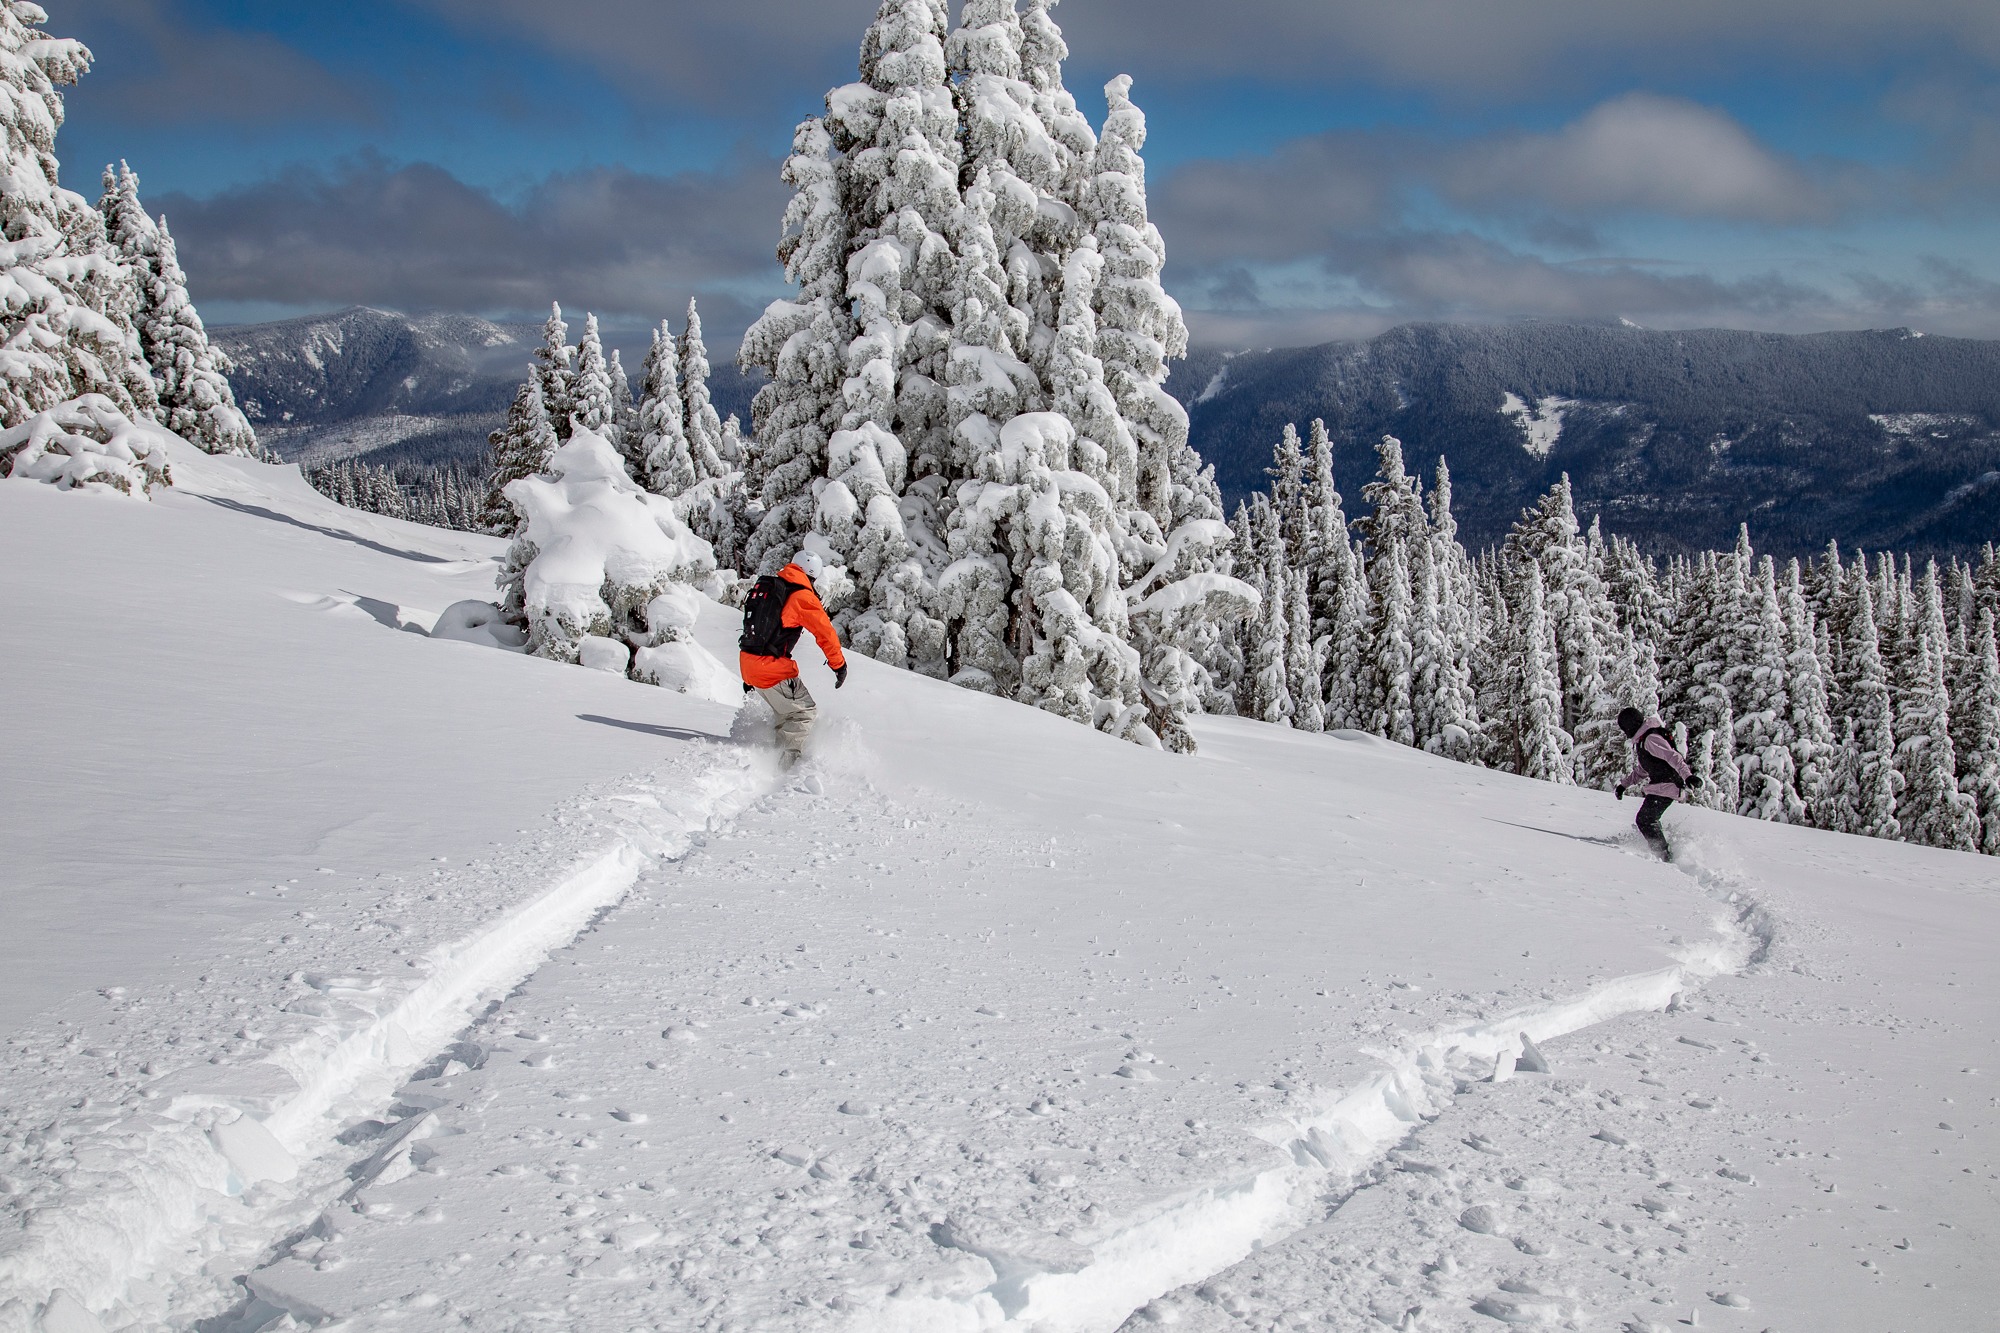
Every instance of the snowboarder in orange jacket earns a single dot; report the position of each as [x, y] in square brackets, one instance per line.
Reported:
[779, 608]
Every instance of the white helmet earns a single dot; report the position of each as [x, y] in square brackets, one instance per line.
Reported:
[810, 562]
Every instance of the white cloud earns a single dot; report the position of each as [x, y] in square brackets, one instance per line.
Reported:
[1641, 153]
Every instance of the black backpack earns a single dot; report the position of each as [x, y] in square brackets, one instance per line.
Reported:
[1657, 769]
[764, 631]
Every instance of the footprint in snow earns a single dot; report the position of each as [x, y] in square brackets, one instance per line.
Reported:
[1483, 1218]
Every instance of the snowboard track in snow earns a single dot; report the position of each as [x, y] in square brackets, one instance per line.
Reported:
[1337, 1149]
[208, 1151]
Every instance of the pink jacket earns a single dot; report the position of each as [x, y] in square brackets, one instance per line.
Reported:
[1651, 743]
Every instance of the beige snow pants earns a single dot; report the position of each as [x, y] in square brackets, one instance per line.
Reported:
[793, 705]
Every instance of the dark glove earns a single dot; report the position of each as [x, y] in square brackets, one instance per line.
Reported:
[1694, 782]
[1621, 793]
[839, 676]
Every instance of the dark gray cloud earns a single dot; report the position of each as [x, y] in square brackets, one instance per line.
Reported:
[745, 49]
[153, 63]
[415, 238]
[733, 55]
[1482, 49]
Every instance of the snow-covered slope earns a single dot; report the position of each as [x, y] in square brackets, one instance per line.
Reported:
[422, 985]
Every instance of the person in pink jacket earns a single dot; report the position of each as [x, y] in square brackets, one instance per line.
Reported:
[1660, 772]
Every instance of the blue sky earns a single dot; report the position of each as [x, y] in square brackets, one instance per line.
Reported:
[1320, 168]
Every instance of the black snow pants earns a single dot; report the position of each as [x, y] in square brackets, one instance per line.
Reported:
[1648, 821]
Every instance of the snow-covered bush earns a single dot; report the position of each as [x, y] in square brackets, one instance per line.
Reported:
[593, 552]
[88, 442]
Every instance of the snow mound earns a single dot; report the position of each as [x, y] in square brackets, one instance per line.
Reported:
[87, 441]
[594, 551]
[481, 623]
[689, 668]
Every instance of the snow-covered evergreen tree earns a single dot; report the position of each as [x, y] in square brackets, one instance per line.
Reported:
[1755, 677]
[1814, 754]
[1270, 693]
[591, 406]
[1338, 588]
[190, 374]
[624, 411]
[555, 362]
[802, 345]
[1393, 530]
[1979, 761]
[1871, 784]
[704, 426]
[1932, 810]
[663, 461]
[520, 448]
[68, 327]
[1302, 661]
[1531, 730]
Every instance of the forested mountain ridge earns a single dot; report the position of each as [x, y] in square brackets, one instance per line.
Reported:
[1879, 439]
[393, 388]
[356, 362]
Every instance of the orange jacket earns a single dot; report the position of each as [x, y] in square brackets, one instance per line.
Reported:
[804, 611]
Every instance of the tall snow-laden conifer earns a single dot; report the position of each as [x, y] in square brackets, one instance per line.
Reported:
[1932, 810]
[1872, 785]
[704, 427]
[1302, 661]
[69, 327]
[190, 374]
[1393, 529]
[590, 404]
[624, 411]
[555, 363]
[1532, 729]
[802, 345]
[664, 464]
[1172, 514]
[520, 448]
[1756, 677]
[965, 260]
[1270, 693]
[1814, 757]
[1979, 761]
[1338, 588]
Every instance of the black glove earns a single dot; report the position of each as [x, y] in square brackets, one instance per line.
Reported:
[1694, 782]
[839, 676]
[1621, 793]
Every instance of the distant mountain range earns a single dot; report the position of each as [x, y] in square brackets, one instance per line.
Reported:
[1881, 439]
[398, 388]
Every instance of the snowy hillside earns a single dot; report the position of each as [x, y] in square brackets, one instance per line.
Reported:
[359, 977]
